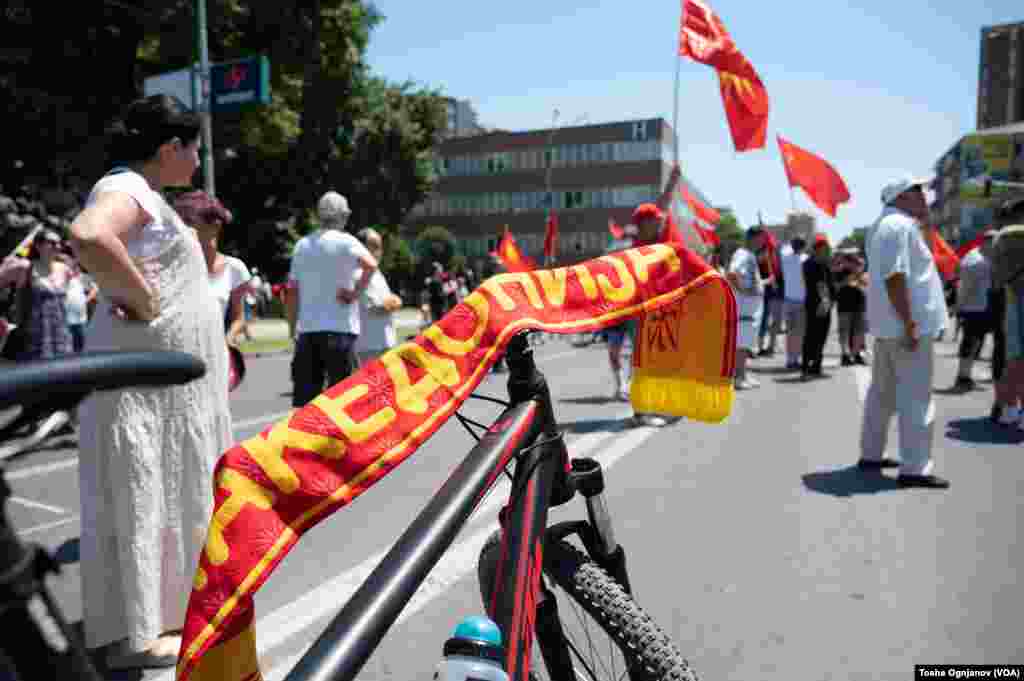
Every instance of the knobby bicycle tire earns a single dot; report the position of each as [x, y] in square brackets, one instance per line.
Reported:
[648, 650]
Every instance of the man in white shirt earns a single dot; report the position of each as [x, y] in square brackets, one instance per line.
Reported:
[974, 310]
[323, 306]
[907, 310]
[793, 257]
[745, 277]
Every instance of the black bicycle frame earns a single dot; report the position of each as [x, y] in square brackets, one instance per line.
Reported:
[344, 647]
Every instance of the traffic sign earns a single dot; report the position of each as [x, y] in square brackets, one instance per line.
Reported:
[240, 83]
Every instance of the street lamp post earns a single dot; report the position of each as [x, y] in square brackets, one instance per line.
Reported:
[201, 95]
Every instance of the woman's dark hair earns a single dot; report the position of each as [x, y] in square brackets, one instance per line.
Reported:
[148, 124]
[198, 207]
[43, 235]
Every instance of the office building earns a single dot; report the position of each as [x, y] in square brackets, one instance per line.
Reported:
[1001, 76]
[588, 174]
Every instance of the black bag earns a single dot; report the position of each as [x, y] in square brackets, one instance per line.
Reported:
[17, 340]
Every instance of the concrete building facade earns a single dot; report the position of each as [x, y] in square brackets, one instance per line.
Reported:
[587, 174]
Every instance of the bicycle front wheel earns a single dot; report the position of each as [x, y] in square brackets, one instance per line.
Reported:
[608, 635]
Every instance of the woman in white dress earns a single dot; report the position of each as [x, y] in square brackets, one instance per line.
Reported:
[377, 306]
[147, 454]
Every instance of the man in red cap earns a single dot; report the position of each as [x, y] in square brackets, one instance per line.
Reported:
[649, 221]
[821, 291]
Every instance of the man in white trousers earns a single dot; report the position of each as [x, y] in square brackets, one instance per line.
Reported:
[906, 310]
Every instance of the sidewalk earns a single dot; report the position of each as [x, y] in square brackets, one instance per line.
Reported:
[270, 334]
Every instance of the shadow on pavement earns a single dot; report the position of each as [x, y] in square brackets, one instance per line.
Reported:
[953, 390]
[69, 552]
[847, 482]
[770, 370]
[801, 379]
[982, 431]
[592, 426]
[595, 399]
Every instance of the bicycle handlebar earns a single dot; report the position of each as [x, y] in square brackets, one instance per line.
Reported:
[71, 377]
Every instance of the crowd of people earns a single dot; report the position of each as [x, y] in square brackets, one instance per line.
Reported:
[148, 274]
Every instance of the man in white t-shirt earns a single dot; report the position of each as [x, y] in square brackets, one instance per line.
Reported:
[323, 305]
[745, 277]
[906, 310]
[975, 312]
[792, 257]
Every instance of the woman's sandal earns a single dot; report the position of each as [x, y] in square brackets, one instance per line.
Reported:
[160, 654]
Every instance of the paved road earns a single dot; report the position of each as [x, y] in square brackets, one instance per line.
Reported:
[753, 543]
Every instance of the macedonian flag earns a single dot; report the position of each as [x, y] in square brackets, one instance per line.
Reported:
[272, 488]
[704, 39]
[510, 255]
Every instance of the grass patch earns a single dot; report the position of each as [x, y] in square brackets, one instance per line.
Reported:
[265, 345]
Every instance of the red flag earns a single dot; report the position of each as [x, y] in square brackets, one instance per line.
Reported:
[708, 236]
[511, 256]
[946, 259]
[551, 236]
[670, 233]
[616, 231]
[703, 212]
[971, 245]
[704, 39]
[815, 176]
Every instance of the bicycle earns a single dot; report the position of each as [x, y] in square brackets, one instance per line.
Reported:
[27, 652]
[590, 572]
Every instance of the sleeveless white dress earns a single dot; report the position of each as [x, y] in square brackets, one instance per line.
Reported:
[147, 454]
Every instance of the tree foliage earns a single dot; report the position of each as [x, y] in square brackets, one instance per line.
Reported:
[331, 124]
[855, 239]
[731, 234]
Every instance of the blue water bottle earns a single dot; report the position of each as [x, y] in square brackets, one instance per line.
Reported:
[473, 653]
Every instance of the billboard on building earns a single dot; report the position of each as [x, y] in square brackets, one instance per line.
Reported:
[991, 170]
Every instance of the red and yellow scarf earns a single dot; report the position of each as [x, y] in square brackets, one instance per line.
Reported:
[270, 489]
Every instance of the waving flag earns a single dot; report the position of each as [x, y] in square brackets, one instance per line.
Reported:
[709, 236]
[822, 183]
[946, 259]
[551, 236]
[615, 229]
[697, 207]
[510, 255]
[272, 488]
[971, 245]
[704, 39]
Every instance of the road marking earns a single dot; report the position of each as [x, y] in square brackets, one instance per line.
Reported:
[49, 526]
[35, 504]
[863, 377]
[42, 469]
[261, 420]
[324, 602]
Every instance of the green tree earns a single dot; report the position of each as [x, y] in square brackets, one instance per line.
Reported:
[855, 239]
[435, 243]
[731, 234]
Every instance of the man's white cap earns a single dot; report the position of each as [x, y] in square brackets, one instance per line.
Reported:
[332, 207]
[892, 191]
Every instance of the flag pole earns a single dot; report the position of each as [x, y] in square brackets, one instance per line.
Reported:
[675, 112]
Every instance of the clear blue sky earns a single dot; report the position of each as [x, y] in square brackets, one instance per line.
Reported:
[878, 87]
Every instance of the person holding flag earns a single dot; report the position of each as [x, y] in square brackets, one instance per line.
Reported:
[650, 220]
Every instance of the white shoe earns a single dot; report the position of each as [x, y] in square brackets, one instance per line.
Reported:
[746, 384]
[655, 421]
